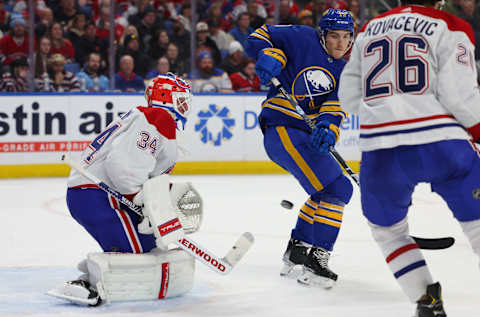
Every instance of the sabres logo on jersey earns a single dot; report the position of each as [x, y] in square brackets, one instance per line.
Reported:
[312, 83]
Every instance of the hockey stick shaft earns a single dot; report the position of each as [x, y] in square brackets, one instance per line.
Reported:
[423, 243]
[219, 265]
[72, 163]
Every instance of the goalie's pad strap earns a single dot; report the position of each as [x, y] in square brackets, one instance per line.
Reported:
[129, 277]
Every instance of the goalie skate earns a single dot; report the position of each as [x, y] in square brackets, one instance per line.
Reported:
[316, 271]
[294, 256]
[77, 292]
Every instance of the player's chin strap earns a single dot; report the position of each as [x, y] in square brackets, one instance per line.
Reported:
[219, 265]
[423, 243]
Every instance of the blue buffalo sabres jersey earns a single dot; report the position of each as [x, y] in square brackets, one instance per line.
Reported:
[310, 75]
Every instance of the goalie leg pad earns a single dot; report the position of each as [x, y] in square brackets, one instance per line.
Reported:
[159, 210]
[404, 258]
[131, 277]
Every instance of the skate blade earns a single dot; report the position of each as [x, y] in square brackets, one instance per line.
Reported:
[291, 271]
[310, 279]
[74, 300]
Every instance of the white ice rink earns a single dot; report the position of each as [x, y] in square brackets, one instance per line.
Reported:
[42, 245]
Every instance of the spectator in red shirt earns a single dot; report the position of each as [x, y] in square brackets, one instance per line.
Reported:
[14, 44]
[246, 80]
[103, 25]
[61, 45]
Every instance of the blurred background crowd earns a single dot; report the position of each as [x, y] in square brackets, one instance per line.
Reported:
[106, 45]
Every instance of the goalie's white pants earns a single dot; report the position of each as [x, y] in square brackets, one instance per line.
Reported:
[131, 277]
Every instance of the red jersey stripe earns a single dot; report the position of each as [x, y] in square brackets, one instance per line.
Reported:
[400, 122]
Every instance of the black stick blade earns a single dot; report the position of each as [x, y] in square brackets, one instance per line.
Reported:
[434, 243]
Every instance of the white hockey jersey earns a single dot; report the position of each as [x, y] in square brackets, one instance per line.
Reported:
[140, 145]
[411, 78]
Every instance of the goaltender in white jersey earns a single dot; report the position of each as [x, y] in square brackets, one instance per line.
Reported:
[133, 156]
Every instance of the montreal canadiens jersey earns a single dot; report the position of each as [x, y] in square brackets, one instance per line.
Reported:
[412, 79]
[310, 76]
[140, 145]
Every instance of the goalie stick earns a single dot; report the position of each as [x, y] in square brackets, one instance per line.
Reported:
[423, 243]
[219, 265]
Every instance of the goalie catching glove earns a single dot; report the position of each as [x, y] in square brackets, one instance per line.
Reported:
[187, 203]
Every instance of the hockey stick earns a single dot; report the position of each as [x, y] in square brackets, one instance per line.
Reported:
[310, 123]
[423, 243]
[219, 265]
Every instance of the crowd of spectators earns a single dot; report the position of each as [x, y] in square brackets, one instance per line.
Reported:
[71, 41]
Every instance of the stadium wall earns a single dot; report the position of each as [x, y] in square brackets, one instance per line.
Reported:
[222, 135]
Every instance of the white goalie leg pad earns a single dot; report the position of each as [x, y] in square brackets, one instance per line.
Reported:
[160, 212]
[131, 277]
[472, 231]
[404, 258]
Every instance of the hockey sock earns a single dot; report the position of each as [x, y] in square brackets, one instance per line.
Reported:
[327, 223]
[303, 231]
[404, 258]
[472, 231]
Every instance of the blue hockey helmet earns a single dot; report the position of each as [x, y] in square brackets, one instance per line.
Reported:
[335, 19]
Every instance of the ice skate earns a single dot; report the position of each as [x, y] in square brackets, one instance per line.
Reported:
[79, 292]
[296, 254]
[316, 271]
[431, 304]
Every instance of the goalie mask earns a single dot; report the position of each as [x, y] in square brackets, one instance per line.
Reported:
[172, 93]
[335, 19]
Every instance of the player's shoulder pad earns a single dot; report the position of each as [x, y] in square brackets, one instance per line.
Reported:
[161, 120]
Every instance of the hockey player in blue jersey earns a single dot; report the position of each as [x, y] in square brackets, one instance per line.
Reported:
[308, 63]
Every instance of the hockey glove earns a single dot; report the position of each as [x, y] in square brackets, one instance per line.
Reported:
[269, 64]
[323, 136]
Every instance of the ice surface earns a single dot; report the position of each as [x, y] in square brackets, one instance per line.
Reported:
[42, 245]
